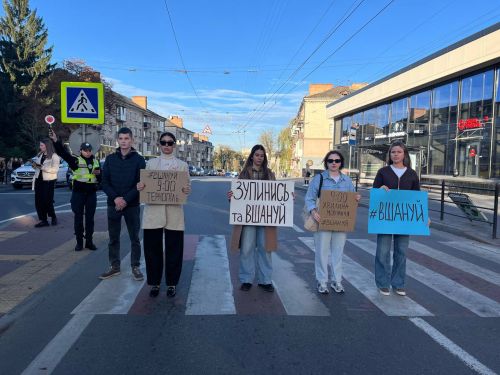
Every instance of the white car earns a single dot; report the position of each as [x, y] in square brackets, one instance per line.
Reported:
[23, 176]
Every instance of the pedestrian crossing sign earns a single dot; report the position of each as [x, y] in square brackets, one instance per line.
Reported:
[82, 103]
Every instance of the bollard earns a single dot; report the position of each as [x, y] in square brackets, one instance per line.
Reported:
[442, 200]
[495, 211]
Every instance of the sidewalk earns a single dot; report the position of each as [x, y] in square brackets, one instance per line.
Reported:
[462, 227]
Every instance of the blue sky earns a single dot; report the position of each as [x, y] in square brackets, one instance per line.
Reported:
[245, 59]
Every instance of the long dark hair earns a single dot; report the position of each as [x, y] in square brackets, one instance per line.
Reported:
[246, 173]
[406, 159]
[49, 147]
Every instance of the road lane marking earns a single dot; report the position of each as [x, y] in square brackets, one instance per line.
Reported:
[5, 235]
[471, 300]
[451, 347]
[48, 359]
[482, 273]
[297, 229]
[15, 257]
[364, 281]
[295, 294]
[211, 290]
[476, 248]
[112, 296]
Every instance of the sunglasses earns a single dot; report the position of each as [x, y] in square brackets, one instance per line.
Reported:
[333, 160]
[165, 143]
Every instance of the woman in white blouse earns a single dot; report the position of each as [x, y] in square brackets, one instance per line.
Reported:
[164, 223]
[46, 165]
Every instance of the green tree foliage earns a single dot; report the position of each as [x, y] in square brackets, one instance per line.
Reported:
[227, 159]
[285, 148]
[24, 70]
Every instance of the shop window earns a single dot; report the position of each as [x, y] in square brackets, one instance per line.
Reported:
[399, 118]
[495, 165]
[368, 128]
[346, 126]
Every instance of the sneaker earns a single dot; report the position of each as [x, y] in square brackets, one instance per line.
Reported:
[337, 287]
[155, 290]
[171, 291]
[79, 246]
[54, 220]
[384, 291]
[113, 271]
[43, 223]
[322, 288]
[137, 274]
[245, 287]
[90, 245]
[400, 291]
[267, 287]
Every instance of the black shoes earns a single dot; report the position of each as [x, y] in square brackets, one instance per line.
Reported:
[79, 246]
[90, 245]
[155, 290]
[54, 220]
[245, 287]
[43, 223]
[171, 291]
[267, 287]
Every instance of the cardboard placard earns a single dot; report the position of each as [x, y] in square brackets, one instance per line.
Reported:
[262, 202]
[398, 212]
[337, 210]
[163, 187]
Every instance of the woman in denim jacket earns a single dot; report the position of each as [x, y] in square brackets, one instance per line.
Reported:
[329, 243]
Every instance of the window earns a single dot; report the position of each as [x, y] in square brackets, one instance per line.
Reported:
[399, 117]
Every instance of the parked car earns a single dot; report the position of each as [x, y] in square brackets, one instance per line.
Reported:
[23, 176]
[200, 171]
[234, 174]
[192, 170]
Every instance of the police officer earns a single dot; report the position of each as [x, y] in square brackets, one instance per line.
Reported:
[85, 169]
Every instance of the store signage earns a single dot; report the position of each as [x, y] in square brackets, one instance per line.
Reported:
[470, 123]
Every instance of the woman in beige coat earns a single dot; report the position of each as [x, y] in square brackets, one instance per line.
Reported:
[46, 165]
[164, 223]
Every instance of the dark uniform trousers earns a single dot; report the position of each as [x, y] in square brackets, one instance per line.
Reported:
[84, 203]
[153, 254]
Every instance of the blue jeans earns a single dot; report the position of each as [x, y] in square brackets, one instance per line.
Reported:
[253, 252]
[329, 246]
[384, 276]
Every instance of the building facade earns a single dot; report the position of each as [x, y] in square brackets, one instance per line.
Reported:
[445, 107]
[311, 129]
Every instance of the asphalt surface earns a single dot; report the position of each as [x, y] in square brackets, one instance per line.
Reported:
[283, 332]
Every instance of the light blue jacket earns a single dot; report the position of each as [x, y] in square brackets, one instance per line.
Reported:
[344, 184]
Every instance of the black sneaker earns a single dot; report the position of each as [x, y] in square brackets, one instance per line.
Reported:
[90, 245]
[267, 287]
[137, 274]
[79, 246]
[54, 220]
[245, 287]
[113, 271]
[384, 291]
[43, 223]
[171, 291]
[155, 290]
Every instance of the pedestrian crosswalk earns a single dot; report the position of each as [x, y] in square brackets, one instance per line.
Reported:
[440, 274]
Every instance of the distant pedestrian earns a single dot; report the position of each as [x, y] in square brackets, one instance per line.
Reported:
[3, 171]
[16, 163]
[307, 176]
[86, 170]
[255, 242]
[9, 170]
[46, 165]
[329, 245]
[120, 176]
[398, 174]
[164, 223]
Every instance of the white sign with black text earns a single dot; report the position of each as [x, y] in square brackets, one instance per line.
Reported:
[262, 202]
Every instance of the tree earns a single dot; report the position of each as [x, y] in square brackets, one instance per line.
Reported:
[285, 149]
[227, 159]
[267, 139]
[24, 70]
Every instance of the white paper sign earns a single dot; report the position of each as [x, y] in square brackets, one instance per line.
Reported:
[262, 202]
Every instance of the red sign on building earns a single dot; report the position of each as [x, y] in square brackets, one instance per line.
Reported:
[470, 123]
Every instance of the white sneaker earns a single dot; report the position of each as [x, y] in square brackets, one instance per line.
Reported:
[322, 288]
[337, 287]
[400, 291]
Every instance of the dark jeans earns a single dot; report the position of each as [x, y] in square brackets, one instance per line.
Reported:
[44, 199]
[153, 253]
[133, 221]
[84, 202]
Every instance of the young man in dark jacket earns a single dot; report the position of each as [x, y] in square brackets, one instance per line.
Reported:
[121, 173]
[86, 170]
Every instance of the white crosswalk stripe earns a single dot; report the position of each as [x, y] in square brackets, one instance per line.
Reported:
[475, 248]
[364, 281]
[475, 302]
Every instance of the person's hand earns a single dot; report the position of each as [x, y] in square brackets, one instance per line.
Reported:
[358, 197]
[385, 188]
[429, 222]
[96, 172]
[229, 195]
[52, 135]
[120, 203]
[293, 195]
[141, 185]
[36, 166]
[186, 189]
[315, 215]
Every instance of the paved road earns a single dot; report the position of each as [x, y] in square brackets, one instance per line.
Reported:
[449, 323]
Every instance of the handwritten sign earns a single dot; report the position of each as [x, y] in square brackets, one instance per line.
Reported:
[337, 210]
[398, 212]
[266, 203]
[163, 187]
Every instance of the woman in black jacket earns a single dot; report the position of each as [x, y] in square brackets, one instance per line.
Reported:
[396, 175]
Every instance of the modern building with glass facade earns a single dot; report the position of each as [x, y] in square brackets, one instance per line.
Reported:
[445, 107]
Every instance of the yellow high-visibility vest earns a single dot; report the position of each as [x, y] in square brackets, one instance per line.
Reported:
[82, 174]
